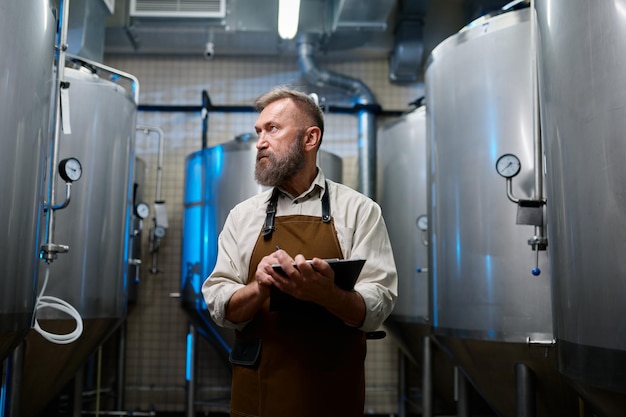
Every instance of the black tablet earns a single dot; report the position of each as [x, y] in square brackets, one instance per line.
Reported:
[346, 271]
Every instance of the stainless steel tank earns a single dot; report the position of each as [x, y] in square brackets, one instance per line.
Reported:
[487, 306]
[217, 178]
[402, 195]
[92, 276]
[583, 98]
[27, 34]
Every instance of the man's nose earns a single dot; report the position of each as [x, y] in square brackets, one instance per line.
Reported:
[260, 141]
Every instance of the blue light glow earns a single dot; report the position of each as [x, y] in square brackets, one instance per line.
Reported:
[189, 357]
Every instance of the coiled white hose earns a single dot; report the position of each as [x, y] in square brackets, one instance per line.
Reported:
[46, 301]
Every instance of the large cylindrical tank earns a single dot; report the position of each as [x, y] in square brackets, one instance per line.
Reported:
[217, 178]
[92, 276]
[487, 306]
[27, 34]
[402, 195]
[583, 101]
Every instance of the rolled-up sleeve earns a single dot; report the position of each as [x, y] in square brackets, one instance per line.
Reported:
[231, 266]
[365, 236]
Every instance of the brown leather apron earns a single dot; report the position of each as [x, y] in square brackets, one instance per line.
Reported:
[310, 364]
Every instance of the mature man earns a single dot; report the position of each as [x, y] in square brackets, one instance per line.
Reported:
[306, 356]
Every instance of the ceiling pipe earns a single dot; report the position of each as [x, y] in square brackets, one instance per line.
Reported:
[363, 98]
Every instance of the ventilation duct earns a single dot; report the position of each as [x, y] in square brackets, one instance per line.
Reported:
[178, 8]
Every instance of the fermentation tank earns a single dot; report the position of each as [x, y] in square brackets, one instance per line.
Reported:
[489, 311]
[92, 276]
[583, 102]
[402, 195]
[217, 178]
[27, 34]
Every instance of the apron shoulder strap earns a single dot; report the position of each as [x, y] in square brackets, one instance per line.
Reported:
[270, 211]
[270, 214]
[326, 205]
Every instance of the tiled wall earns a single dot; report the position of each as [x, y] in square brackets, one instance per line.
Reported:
[157, 325]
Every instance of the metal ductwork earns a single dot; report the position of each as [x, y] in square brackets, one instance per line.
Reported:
[405, 61]
[86, 28]
[362, 96]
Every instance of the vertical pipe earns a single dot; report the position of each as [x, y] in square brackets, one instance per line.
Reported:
[401, 384]
[462, 394]
[206, 102]
[15, 365]
[60, 68]
[190, 371]
[538, 147]
[121, 369]
[77, 394]
[367, 120]
[525, 390]
[427, 380]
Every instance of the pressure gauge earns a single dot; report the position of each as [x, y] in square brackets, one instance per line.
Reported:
[508, 165]
[142, 210]
[422, 222]
[159, 231]
[70, 169]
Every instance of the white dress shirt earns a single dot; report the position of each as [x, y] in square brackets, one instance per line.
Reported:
[361, 232]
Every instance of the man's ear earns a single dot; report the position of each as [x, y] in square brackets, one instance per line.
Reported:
[312, 137]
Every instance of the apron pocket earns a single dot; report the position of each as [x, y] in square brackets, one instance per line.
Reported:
[245, 352]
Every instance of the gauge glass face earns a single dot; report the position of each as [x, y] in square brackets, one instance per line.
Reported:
[422, 222]
[70, 169]
[159, 231]
[508, 165]
[142, 210]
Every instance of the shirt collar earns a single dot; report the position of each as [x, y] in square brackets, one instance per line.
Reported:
[317, 186]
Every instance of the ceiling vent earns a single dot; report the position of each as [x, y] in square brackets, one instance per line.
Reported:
[178, 8]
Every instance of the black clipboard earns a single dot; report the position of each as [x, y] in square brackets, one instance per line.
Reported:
[346, 274]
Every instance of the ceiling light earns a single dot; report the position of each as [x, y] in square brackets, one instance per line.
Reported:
[288, 16]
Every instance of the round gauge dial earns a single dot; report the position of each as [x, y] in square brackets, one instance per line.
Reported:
[508, 165]
[142, 210]
[70, 169]
[159, 231]
[422, 222]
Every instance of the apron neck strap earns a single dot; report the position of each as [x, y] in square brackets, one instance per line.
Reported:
[270, 211]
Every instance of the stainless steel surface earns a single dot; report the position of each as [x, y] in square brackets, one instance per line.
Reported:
[96, 224]
[479, 101]
[486, 302]
[27, 34]
[92, 276]
[217, 178]
[402, 196]
[583, 91]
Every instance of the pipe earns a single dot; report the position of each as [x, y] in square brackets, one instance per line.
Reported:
[190, 371]
[525, 390]
[146, 130]
[49, 249]
[154, 239]
[538, 148]
[121, 368]
[462, 394]
[366, 117]
[402, 382]
[427, 381]
[206, 103]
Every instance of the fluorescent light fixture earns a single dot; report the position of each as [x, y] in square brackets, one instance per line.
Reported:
[288, 16]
